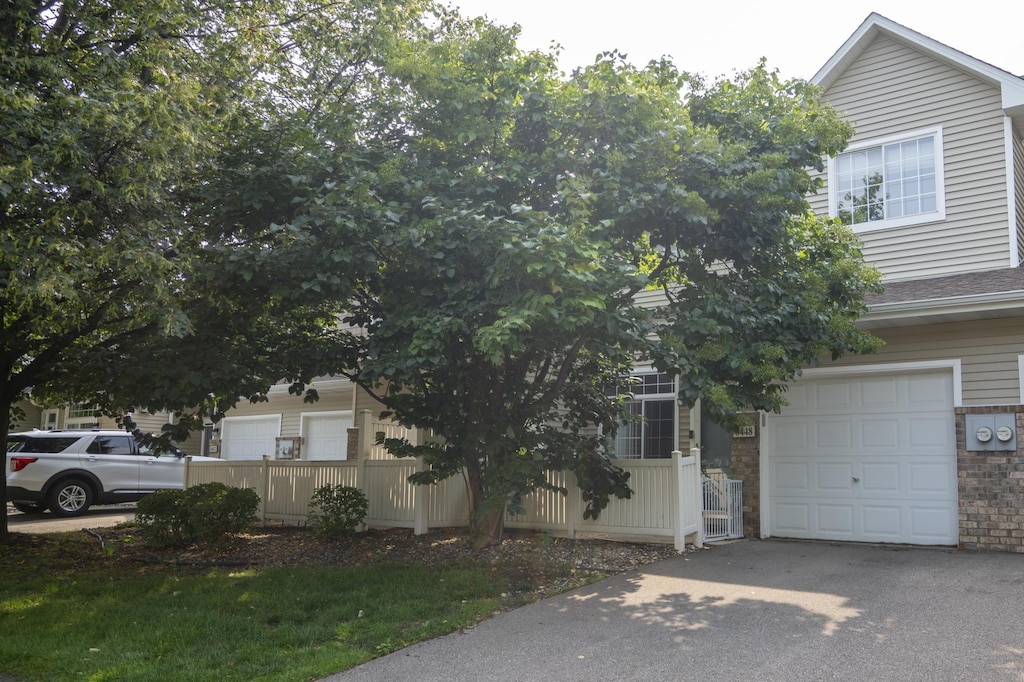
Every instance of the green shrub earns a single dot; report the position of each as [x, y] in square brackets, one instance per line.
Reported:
[208, 513]
[337, 510]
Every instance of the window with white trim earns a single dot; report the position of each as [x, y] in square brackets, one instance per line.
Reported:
[889, 183]
[81, 416]
[652, 433]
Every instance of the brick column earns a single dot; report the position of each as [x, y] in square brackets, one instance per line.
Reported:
[746, 466]
[991, 487]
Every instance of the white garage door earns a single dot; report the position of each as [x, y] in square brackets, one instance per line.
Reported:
[249, 437]
[868, 459]
[326, 435]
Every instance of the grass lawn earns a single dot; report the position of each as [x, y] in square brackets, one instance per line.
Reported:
[71, 611]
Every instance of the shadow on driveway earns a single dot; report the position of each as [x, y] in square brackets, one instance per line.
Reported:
[753, 610]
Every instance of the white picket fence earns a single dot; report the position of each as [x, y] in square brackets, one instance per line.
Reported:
[666, 504]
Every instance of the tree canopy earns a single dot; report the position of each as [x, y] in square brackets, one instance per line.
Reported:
[201, 199]
[531, 218]
[157, 160]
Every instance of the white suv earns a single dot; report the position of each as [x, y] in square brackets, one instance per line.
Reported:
[68, 471]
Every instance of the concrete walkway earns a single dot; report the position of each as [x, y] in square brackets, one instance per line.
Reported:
[753, 610]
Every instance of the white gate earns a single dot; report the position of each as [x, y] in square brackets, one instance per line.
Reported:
[723, 509]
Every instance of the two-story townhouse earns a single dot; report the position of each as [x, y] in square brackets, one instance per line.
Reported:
[920, 443]
[83, 416]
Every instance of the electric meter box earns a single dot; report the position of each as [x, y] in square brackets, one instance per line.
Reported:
[991, 432]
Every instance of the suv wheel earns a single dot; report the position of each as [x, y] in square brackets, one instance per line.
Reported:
[29, 507]
[70, 497]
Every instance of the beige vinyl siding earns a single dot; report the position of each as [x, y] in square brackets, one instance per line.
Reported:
[364, 401]
[334, 396]
[650, 298]
[150, 423]
[32, 419]
[893, 89]
[987, 349]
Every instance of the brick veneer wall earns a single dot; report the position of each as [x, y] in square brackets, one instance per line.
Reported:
[991, 487]
[746, 466]
[353, 443]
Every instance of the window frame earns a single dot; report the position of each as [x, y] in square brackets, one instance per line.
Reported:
[641, 399]
[81, 416]
[937, 215]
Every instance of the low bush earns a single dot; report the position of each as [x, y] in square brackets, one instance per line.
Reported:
[337, 510]
[207, 513]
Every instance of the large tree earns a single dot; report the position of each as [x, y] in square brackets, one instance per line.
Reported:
[158, 160]
[532, 216]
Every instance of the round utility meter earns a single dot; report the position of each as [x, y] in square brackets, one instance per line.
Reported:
[984, 434]
[1004, 434]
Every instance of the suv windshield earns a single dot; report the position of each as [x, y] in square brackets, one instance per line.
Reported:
[29, 444]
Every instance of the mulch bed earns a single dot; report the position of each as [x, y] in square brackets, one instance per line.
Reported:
[284, 546]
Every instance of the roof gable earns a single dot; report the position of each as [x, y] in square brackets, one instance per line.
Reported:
[1011, 87]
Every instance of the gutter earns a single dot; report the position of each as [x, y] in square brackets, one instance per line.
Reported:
[966, 307]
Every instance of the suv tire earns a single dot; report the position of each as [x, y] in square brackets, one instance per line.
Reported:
[70, 497]
[29, 507]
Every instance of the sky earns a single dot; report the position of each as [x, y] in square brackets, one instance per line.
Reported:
[719, 37]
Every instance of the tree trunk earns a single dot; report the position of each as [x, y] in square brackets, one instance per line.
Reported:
[486, 517]
[5, 423]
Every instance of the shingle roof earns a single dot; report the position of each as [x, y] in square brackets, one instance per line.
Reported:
[951, 286]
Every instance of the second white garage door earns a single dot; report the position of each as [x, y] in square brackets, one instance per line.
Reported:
[866, 458]
[326, 435]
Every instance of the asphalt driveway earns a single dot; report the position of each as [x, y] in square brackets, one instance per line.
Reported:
[754, 610]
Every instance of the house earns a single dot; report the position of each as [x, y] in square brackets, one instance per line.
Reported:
[286, 427]
[920, 443]
[83, 416]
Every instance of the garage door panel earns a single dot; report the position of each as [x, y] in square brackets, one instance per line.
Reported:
[929, 391]
[883, 477]
[880, 433]
[932, 431]
[834, 434]
[938, 477]
[882, 468]
[834, 477]
[931, 522]
[794, 436]
[834, 395]
[836, 519]
[883, 392]
[793, 477]
[881, 522]
[793, 518]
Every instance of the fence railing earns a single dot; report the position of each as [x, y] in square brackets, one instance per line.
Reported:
[723, 508]
[666, 500]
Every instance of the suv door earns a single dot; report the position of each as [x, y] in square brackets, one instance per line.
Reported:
[114, 461]
[160, 469]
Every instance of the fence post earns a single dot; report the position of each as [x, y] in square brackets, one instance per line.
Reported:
[572, 504]
[699, 496]
[265, 488]
[188, 463]
[677, 523]
[421, 502]
[365, 440]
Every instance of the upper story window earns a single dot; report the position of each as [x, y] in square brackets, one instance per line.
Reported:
[889, 183]
[81, 416]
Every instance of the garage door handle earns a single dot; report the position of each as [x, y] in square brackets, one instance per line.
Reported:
[856, 480]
